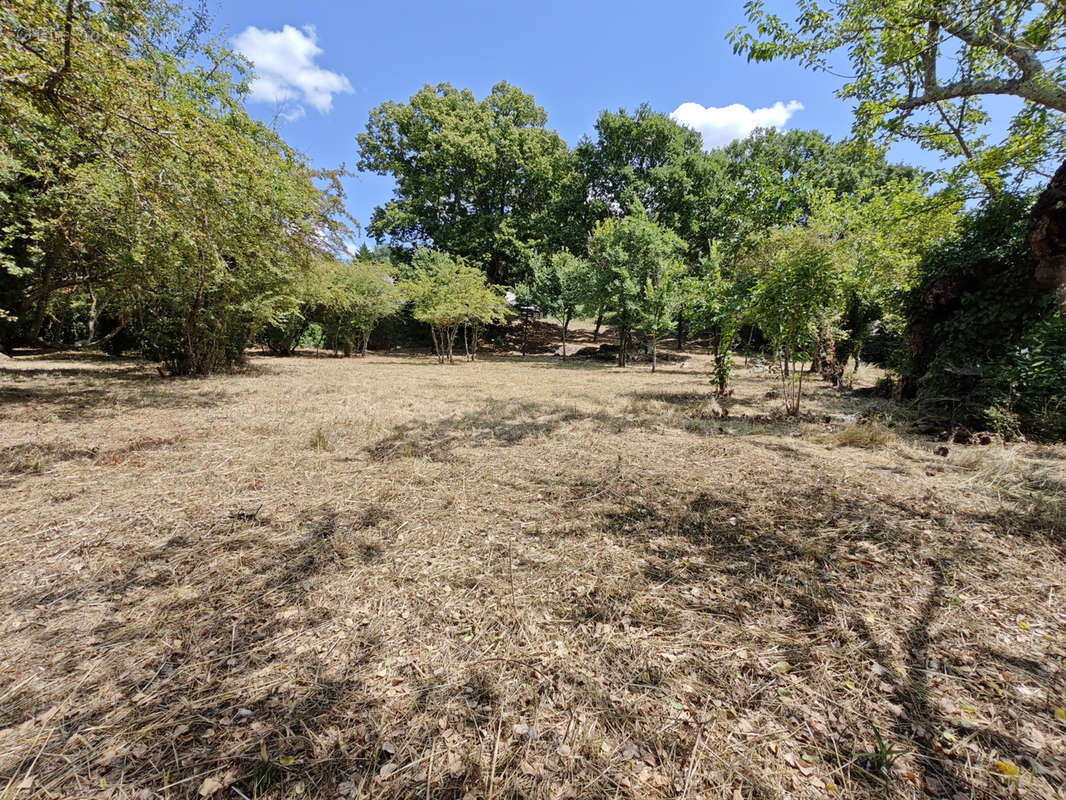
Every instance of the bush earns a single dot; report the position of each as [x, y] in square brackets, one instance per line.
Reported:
[1030, 382]
[211, 339]
[984, 349]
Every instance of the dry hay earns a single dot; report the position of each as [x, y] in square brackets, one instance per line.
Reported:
[517, 578]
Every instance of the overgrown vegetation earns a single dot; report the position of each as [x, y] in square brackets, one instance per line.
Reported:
[132, 178]
[745, 572]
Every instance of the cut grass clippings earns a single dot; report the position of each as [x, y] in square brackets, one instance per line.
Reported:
[514, 578]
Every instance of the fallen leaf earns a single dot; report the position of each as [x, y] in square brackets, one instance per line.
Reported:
[1007, 768]
[210, 786]
[387, 770]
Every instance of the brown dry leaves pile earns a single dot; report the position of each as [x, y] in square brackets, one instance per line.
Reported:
[516, 578]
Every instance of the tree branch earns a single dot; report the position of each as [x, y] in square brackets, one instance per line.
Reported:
[1033, 83]
[1024, 57]
[929, 56]
[1041, 93]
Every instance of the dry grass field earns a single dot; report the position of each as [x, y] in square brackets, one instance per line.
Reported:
[514, 578]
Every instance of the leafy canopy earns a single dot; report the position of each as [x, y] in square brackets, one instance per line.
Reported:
[633, 260]
[473, 178]
[919, 68]
[447, 294]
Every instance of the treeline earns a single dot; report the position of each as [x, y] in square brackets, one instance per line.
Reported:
[822, 250]
[142, 209]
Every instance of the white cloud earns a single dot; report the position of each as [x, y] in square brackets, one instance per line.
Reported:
[285, 71]
[720, 126]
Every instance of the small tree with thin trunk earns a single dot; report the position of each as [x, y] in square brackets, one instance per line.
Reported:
[799, 292]
[448, 295]
[558, 287]
[661, 303]
[625, 255]
[716, 304]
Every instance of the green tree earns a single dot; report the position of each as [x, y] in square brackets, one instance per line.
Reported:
[884, 232]
[473, 178]
[130, 171]
[795, 297]
[921, 69]
[644, 159]
[628, 255]
[355, 298]
[661, 301]
[716, 304]
[448, 295]
[774, 178]
[558, 286]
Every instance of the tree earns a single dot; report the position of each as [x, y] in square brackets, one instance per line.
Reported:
[716, 304]
[884, 232]
[130, 171]
[644, 159]
[797, 295]
[473, 178]
[628, 255]
[774, 178]
[662, 299]
[921, 69]
[557, 286]
[355, 298]
[447, 295]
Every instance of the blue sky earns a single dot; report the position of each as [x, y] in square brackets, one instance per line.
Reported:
[321, 75]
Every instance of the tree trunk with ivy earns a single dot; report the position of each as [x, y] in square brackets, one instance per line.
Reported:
[1047, 234]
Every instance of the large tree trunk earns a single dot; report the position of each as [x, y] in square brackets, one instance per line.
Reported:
[1047, 234]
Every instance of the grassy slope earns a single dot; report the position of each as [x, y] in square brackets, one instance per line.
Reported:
[513, 578]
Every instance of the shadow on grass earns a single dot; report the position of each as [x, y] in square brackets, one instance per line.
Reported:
[499, 423]
[817, 570]
[77, 393]
[191, 678]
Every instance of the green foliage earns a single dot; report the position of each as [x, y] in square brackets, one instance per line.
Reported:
[717, 304]
[447, 295]
[634, 275]
[130, 171]
[1030, 382]
[662, 298]
[558, 286]
[979, 339]
[885, 756]
[797, 295]
[919, 71]
[353, 298]
[776, 178]
[473, 178]
[648, 161]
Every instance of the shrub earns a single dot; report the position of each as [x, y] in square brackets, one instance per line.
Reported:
[984, 349]
[1030, 383]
